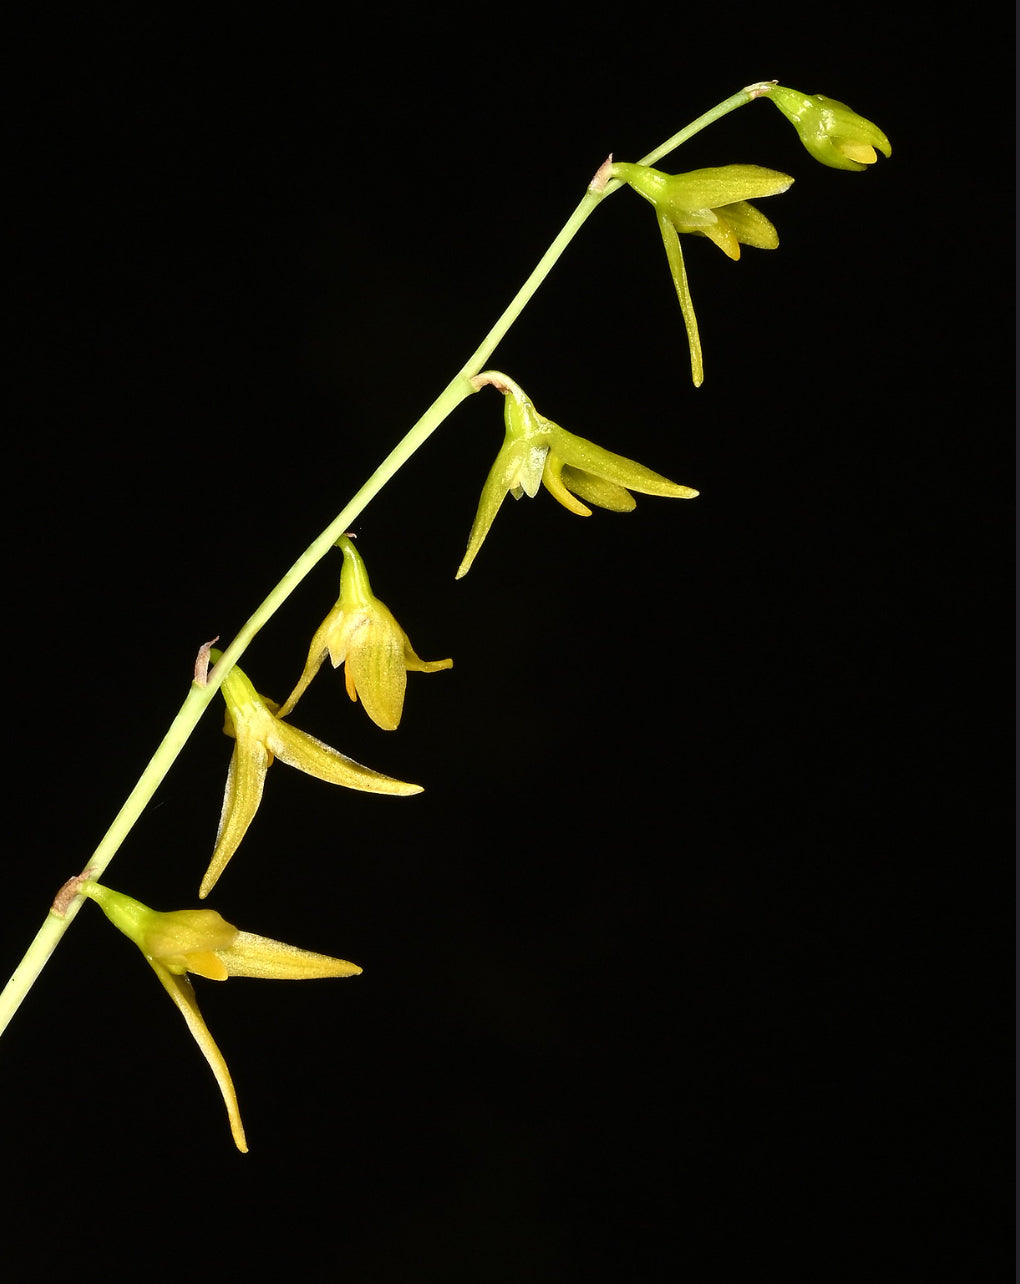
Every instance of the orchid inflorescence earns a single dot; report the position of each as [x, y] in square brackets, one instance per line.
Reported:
[362, 635]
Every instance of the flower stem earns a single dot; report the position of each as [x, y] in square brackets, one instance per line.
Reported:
[199, 696]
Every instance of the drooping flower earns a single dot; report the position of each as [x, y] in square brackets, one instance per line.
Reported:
[201, 941]
[710, 202]
[260, 736]
[361, 634]
[536, 452]
[831, 131]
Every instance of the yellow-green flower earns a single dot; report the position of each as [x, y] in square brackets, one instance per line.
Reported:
[200, 941]
[706, 202]
[538, 452]
[361, 634]
[260, 736]
[831, 131]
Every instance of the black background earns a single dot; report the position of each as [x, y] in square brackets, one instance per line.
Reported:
[687, 962]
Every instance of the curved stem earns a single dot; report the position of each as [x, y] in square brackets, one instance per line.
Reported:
[199, 696]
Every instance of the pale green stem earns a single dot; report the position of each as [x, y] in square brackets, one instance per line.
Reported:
[199, 697]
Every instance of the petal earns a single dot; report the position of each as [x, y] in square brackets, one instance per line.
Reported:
[246, 778]
[553, 481]
[599, 491]
[825, 151]
[182, 992]
[298, 749]
[750, 226]
[338, 638]
[205, 963]
[415, 664]
[857, 151]
[722, 234]
[685, 220]
[528, 477]
[250, 955]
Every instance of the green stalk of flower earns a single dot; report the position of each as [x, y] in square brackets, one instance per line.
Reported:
[202, 942]
[361, 633]
[260, 736]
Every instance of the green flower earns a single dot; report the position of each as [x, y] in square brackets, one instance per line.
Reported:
[706, 202]
[538, 452]
[202, 942]
[361, 634]
[831, 131]
[260, 737]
